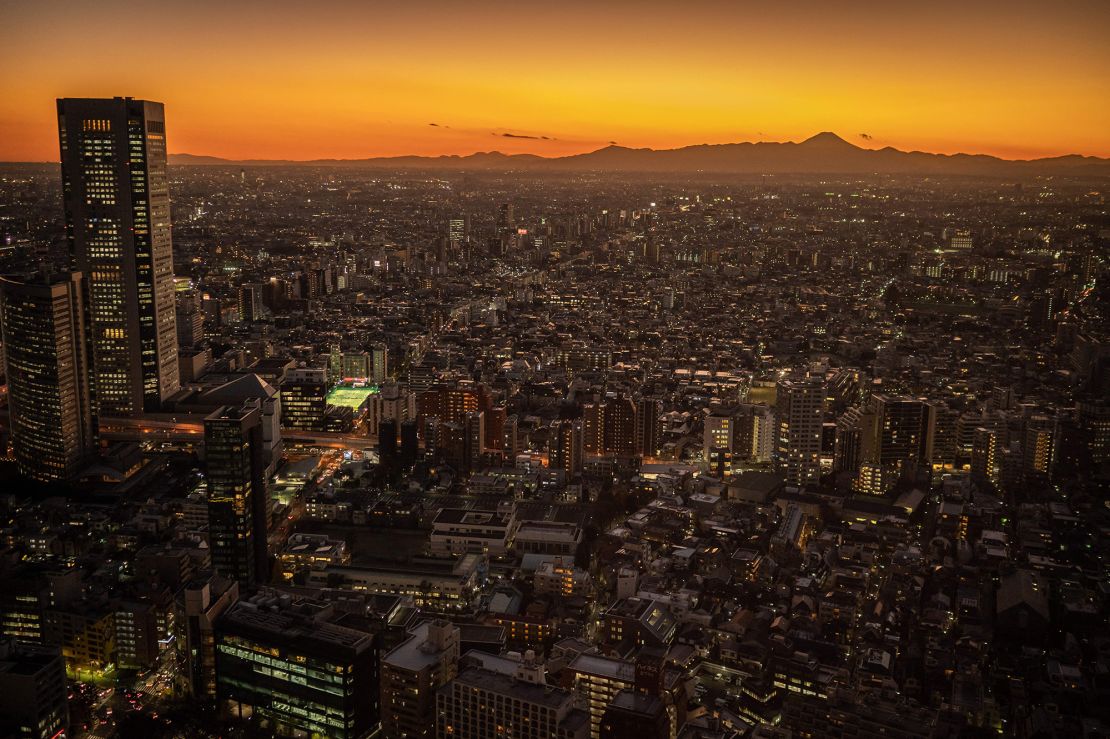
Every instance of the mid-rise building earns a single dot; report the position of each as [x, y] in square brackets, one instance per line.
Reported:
[289, 668]
[304, 399]
[482, 703]
[197, 607]
[33, 693]
[410, 675]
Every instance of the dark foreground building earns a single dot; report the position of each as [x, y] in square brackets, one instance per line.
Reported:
[288, 668]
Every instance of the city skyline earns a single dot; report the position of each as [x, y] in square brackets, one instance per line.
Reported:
[530, 414]
[352, 80]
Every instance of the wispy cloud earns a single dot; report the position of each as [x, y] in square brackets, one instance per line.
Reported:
[509, 135]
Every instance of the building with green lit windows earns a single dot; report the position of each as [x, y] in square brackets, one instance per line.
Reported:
[287, 667]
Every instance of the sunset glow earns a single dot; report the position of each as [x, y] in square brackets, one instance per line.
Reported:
[358, 79]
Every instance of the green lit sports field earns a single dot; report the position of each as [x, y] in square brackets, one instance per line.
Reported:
[350, 397]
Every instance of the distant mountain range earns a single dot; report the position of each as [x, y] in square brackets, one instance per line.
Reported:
[825, 153]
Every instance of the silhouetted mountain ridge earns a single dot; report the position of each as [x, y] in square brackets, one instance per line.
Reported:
[824, 153]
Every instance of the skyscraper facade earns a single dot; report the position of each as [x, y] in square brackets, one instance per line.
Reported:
[46, 365]
[117, 211]
[237, 530]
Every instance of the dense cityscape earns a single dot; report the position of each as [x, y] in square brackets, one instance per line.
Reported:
[464, 453]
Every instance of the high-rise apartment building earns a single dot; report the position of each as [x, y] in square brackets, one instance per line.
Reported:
[117, 211]
[567, 451]
[379, 356]
[609, 426]
[799, 416]
[46, 364]
[649, 431]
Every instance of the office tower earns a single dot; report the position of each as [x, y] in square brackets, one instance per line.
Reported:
[855, 440]
[900, 431]
[304, 399]
[379, 354]
[251, 389]
[46, 365]
[237, 497]
[649, 413]
[567, 450]
[291, 668]
[27, 595]
[34, 700]
[197, 607]
[799, 415]
[190, 320]
[387, 441]
[482, 703]
[458, 229]
[250, 302]
[118, 226]
[410, 444]
[505, 219]
[411, 674]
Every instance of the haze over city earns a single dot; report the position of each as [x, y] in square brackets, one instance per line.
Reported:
[347, 79]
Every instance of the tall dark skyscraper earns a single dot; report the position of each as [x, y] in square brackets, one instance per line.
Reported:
[118, 226]
[46, 362]
[234, 456]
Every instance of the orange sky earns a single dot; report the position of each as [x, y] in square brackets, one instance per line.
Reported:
[356, 78]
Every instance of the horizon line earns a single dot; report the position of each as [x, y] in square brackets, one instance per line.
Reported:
[612, 145]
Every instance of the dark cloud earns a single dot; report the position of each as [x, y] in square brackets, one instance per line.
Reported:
[437, 125]
[866, 136]
[612, 143]
[523, 136]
